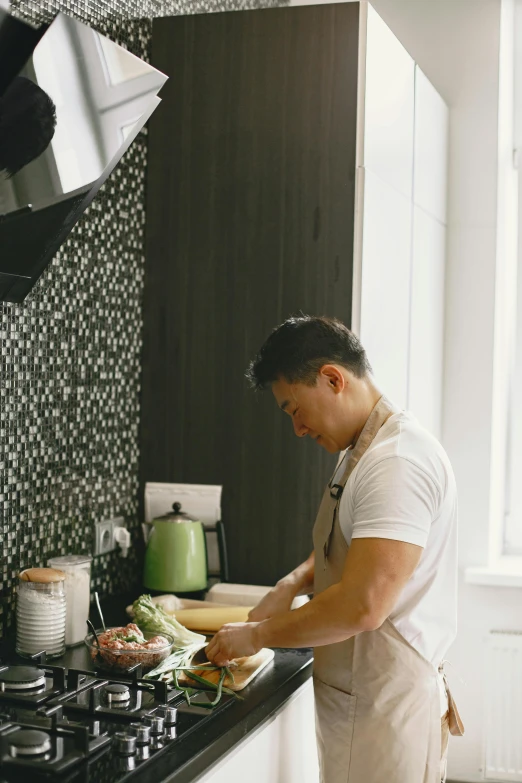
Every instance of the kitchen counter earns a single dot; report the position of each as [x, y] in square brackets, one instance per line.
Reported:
[185, 761]
[192, 756]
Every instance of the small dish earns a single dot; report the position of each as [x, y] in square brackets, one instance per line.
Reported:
[119, 660]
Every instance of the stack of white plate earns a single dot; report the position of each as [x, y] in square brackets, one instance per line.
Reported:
[40, 624]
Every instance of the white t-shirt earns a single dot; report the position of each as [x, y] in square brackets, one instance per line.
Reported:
[403, 488]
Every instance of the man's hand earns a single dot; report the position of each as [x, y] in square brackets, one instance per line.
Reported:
[277, 601]
[234, 640]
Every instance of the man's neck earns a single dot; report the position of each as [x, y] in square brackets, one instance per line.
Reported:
[368, 403]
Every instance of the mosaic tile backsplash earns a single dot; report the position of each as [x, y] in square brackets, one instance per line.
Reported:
[70, 355]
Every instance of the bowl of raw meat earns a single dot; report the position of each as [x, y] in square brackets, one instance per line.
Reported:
[121, 648]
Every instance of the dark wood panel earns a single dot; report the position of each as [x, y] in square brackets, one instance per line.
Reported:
[249, 219]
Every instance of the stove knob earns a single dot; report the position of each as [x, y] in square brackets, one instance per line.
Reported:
[157, 743]
[126, 763]
[124, 743]
[169, 715]
[142, 754]
[155, 723]
[141, 732]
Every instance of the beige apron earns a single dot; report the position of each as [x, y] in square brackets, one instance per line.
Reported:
[377, 699]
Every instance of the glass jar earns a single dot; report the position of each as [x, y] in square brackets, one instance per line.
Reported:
[40, 612]
[77, 570]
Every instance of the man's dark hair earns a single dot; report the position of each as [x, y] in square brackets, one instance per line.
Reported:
[297, 349]
[27, 123]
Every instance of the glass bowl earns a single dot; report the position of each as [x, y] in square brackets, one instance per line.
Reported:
[118, 660]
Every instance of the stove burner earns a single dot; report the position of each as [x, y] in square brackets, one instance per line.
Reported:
[117, 692]
[21, 678]
[29, 742]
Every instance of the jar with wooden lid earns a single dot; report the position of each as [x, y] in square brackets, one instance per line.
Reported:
[40, 612]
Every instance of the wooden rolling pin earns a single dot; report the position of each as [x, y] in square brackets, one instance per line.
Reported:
[211, 619]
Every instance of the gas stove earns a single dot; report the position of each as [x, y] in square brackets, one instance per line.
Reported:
[80, 726]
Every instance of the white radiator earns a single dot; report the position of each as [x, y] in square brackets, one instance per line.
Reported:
[503, 718]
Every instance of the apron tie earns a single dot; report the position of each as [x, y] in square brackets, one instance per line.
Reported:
[457, 675]
[456, 726]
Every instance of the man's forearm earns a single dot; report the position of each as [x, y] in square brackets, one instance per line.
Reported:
[326, 619]
[301, 580]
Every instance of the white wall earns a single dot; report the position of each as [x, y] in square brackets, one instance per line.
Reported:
[456, 44]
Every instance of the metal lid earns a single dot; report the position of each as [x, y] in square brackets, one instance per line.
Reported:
[177, 515]
[42, 575]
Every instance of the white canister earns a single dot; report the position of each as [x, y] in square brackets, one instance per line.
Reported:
[40, 612]
[77, 569]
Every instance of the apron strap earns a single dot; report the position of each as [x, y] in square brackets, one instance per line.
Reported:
[379, 416]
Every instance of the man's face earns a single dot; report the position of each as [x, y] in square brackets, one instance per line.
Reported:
[315, 410]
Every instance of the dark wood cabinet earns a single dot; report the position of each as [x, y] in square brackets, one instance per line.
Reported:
[250, 202]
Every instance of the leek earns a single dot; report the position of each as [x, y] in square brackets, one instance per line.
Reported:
[154, 619]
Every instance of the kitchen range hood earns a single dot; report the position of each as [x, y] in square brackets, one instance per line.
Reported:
[71, 103]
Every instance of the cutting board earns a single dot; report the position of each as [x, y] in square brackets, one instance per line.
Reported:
[247, 669]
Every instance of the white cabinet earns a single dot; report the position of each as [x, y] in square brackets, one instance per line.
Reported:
[428, 254]
[385, 292]
[389, 96]
[426, 320]
[430, 149]
[282, 750]
[399, 249]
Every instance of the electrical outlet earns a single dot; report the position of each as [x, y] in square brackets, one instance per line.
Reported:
[105, 535]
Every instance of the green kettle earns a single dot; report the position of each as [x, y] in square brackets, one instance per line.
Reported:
[176, 556]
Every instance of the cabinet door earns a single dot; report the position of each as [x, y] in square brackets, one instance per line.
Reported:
[389, 92]
[282, 750]
[385, 285]
[427, 320]
[250, 199]
[428, 254]
[385, 169]
[430, 149]
[401, 212]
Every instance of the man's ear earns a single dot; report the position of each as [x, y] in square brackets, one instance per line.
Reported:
[334, 377]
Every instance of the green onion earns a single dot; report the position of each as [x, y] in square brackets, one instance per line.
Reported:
[154, 619]
[218, 693]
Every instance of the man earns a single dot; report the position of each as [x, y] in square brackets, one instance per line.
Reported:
[383, 570]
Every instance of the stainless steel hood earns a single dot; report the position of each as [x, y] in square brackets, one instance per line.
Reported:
[71, 103]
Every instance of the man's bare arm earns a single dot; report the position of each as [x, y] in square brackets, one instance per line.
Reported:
[279, 600]
[301, 579]
[375, 573]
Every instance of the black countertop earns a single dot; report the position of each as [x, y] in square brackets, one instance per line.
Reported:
[184, 760]
[194, 754]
